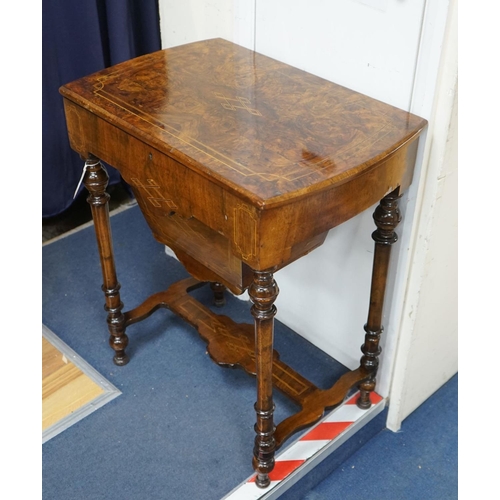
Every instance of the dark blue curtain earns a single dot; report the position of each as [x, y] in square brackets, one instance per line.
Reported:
[81, 37]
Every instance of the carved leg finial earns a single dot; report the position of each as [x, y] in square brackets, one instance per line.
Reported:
[218, 289]
[96, 180]
[387, 216]
[263, 293]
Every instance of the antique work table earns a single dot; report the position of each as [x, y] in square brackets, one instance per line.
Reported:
[242, 164]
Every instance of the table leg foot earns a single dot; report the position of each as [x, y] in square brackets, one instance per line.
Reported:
[365, 389]
[219, 298]
[386, 216]
[121, 358]
[262, 480]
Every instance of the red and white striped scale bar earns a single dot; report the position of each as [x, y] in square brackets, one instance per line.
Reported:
[295, 456]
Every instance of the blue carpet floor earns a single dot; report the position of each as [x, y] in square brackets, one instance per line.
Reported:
[183, 427]
[418, 462]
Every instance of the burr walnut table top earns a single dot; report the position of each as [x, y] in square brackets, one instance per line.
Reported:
[226, 146]
[262, 127]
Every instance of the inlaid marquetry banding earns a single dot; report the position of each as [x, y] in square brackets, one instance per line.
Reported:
[289, 381]
[197, 145]
[232, 344]
[302, 164]
[245, 232]
[153, 193]
[237, 103]
[295, 168]
[76, 135]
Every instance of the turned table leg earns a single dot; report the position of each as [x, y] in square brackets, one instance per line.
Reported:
[96, 180]
[386, 216]
[263, 293]
[218, 289]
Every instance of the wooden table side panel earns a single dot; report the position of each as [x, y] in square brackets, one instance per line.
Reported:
[205, 254]
[158, 178]
[284, 230]
[261, 238]
[184, 210]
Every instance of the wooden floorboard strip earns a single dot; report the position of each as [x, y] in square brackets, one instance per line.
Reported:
[71, 388]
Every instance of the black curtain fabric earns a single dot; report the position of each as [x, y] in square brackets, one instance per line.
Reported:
[81, 37]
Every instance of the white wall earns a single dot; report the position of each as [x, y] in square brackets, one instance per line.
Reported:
[192, 20]
[427, 353]
[372, 46]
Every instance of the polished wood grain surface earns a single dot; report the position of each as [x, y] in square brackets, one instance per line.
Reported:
[263, 174]
[245, 120]
[242, 164]
[232, 345]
